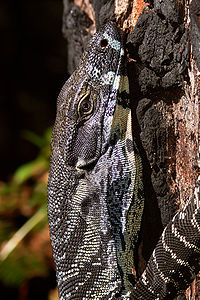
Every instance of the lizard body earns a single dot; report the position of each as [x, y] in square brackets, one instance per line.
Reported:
[95, 193]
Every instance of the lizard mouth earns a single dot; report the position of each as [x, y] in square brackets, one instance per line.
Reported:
[85, 165]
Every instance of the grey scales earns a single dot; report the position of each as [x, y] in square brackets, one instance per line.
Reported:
[95, 188]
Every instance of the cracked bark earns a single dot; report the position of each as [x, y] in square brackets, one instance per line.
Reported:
[164, 54]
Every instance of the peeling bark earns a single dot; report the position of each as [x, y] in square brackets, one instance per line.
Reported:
[127, 12]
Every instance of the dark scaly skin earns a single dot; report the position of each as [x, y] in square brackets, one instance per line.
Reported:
[95, 191]
[95, 195]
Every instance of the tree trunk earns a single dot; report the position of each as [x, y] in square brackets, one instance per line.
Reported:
[164, 57]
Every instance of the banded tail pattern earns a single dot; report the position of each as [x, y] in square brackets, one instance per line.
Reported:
[176, 259]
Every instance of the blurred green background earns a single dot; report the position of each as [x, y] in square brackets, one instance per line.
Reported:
[33, 70]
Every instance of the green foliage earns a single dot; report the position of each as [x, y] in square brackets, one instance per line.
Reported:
[19, 267]
[30, 169]
[23, 217]
[41, 163]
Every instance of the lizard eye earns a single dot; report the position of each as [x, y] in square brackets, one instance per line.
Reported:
[104, 43]
[85, 107]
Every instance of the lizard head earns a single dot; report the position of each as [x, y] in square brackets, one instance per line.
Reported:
[87, 101]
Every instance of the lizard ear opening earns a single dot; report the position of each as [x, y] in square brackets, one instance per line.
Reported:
[104, 43]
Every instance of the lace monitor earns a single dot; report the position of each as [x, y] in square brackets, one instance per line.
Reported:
[95, 190]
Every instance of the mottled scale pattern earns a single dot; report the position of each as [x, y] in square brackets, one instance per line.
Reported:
[95, 191]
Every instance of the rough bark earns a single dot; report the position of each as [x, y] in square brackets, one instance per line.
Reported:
[164, 57]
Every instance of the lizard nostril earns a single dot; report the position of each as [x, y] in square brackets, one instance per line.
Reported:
[104, 43]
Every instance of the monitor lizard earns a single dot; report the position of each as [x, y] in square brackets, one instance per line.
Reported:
[95, 189]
